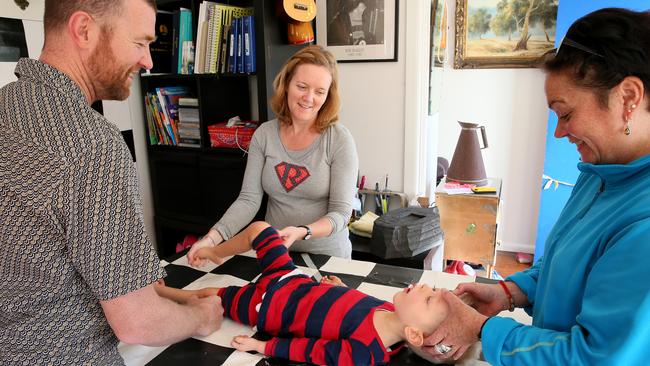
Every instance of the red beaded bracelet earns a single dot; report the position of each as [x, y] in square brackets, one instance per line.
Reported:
[510, 298]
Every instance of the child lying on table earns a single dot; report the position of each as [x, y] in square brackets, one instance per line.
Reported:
[320, 323]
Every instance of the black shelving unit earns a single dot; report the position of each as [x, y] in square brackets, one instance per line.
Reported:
[193, 187]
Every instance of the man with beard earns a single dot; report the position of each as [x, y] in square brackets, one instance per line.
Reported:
[76, 266]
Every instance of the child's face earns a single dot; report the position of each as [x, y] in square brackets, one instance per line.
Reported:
[419, 306]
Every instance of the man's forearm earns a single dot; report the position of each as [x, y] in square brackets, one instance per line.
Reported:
[143, 317]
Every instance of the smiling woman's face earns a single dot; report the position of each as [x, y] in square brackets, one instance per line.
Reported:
[307, 91]
[594, 129]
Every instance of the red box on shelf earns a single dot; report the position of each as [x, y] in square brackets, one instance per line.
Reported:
[238, 136]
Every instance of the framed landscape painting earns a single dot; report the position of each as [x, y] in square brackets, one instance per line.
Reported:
[503, 33]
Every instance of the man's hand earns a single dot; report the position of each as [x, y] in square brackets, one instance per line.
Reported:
[211, 239]
[211, 311]
[245, 343]
[458, 331]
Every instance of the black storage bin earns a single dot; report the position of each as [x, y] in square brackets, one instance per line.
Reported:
[405, 232]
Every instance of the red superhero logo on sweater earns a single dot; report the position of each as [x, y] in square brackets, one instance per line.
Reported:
[290, 175]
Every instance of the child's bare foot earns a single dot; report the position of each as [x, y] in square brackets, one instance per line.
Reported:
[332, 280]
[245, 343]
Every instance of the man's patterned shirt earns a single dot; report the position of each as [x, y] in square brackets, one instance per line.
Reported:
[71, 223]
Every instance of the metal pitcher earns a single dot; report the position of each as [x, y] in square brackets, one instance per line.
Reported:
[467, 164]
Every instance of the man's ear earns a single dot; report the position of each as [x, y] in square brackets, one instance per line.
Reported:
[83, 30]
[414, 336]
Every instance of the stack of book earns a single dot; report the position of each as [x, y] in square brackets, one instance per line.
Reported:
[225, 39]
[189, 130]
[173, 50]
[162, 114]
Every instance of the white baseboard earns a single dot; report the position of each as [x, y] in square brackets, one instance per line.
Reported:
[516, 247]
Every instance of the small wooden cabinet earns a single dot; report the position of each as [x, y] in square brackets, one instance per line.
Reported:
[469, 223]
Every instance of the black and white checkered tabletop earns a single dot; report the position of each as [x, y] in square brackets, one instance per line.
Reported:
[381, 281]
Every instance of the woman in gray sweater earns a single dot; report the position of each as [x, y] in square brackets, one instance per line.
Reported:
[305, 162]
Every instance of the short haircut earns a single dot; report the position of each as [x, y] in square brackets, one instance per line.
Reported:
[310, 55]
[612, 44]
[57, 12]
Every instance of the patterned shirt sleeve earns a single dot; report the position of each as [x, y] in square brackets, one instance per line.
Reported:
[107, 240]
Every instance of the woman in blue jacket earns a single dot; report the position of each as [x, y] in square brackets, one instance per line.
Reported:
[587, 289]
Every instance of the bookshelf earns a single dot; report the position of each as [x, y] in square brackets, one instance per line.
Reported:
[192, 187]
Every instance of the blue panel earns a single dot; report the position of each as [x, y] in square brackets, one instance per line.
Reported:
[561, 157]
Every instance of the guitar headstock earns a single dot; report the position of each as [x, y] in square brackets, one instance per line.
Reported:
[300, 10]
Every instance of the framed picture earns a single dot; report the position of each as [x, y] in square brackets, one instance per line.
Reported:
[438, 32]
[358, 30]
[503, 33]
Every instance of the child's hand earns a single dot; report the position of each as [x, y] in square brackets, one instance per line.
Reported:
[208, 253]
[332, 280]
[211, 239]
[245, 343]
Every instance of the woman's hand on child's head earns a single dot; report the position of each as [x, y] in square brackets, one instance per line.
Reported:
[459, 330]
[487, 299]
[332, 280]
[245, 343]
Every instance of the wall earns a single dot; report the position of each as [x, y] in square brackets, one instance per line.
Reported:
[32, 18]
[373, 111]
[512, 105]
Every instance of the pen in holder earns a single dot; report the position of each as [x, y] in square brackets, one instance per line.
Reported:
[381, 199]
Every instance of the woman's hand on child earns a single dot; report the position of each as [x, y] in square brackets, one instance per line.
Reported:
[332, 280]
[245, 343]
[459, 330]
[488, 300]
[211, 239]
[290, 234]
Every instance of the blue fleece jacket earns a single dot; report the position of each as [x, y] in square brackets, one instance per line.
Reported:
[586, 290]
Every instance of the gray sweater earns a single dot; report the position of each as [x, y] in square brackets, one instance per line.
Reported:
[303, 186]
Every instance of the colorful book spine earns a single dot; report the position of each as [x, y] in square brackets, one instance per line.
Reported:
[234, 37]
[250, 64]
[176, 37]
[201, 33]
[185, 43]
[240, 45]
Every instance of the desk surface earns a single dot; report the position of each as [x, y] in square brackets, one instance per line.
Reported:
[381, 281]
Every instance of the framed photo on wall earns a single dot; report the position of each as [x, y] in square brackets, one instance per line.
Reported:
[438, 32]
[358, 30]
[503, 33]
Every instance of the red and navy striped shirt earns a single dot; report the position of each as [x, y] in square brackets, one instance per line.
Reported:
[313, 322]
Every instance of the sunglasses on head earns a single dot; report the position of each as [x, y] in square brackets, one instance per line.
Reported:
[571, 43]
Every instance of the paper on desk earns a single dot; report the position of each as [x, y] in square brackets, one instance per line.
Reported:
[460, 190]
[444, 280]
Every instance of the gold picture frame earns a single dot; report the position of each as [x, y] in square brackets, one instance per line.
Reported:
[512, 40]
